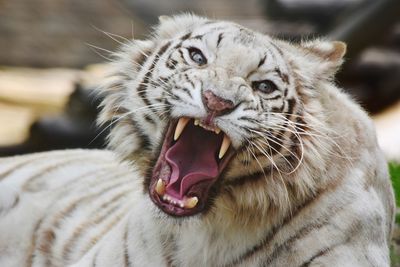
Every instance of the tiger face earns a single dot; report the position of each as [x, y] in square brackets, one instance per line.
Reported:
[209, 103]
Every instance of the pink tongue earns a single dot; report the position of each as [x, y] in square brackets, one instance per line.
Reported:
[192, 159]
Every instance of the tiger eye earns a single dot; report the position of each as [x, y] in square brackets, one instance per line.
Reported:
[265, 86]
[197, 56]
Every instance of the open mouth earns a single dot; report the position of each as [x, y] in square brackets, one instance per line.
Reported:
[192, 157]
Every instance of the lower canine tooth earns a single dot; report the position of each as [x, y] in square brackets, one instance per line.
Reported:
[160, 187]
[224, 146]
[190, 203]
[180, 126]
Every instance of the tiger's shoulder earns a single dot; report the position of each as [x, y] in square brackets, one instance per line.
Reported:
[53, 171]
[43, 197]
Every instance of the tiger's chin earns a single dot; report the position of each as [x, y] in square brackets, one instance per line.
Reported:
[192, 157]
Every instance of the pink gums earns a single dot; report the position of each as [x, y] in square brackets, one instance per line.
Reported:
[192, 159]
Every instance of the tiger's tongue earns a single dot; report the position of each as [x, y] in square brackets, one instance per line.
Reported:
[192, 160]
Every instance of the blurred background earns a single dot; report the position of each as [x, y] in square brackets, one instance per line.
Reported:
[52, 56]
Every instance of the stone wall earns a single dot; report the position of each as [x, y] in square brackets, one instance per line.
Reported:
[44, 33]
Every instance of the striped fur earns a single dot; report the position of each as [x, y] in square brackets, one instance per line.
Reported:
[308, 185]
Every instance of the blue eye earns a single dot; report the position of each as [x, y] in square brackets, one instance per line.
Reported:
[265, 86]
[197, 56]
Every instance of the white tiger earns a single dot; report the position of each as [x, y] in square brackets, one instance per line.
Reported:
[231, 149]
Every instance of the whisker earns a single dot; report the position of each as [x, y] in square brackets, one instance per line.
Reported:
[124, 116]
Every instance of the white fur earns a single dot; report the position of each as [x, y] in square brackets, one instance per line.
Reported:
[331, 206]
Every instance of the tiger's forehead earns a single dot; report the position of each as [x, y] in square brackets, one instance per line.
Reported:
[237, 34]
[238, 49]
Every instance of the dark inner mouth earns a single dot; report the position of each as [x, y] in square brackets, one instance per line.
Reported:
[193, 159]
[186, 169]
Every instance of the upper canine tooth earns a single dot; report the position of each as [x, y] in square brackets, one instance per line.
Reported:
[190, 203]
[217, 130]
[180, 126]
[224, 146]
[160, 187]
[196, 122]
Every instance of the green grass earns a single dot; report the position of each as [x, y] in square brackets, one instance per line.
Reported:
[394, 170]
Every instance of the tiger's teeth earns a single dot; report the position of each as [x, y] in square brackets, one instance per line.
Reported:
[179, 127]
[224, 147]
[217, 130]
[160, 187]
[196, 122]
[190, 203]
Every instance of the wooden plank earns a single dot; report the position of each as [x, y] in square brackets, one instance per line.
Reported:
[388, 132]
[46, 88]
[15, 122]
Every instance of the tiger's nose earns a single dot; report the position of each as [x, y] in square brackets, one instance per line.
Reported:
[216, 103]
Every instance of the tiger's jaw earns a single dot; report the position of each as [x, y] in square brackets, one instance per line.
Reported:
[191, 160]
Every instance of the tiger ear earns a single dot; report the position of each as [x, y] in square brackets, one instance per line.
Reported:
[164, 18]
[327, 55]
[170, 26]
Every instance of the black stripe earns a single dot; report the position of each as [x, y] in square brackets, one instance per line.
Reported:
[272, 234]
[144, 140]
[143, 86]
[187, 91]
[127, 260]
[163, 80]
[319, 224]
[171, 64]
[284, 77]
[286, 92]
[291, 103]
[220, 37]
[273, 98]
[288, 243]
[198, 37]
[140, 61]
[149, 119]
[262, 61]
[182, 56]
[277, 48]
[276, 109]
[249, 108]
[186, 77]
[301, 124]
[250, 119]
[319, 254]
[186, 36]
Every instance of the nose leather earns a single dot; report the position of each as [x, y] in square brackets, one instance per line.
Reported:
[216, 103]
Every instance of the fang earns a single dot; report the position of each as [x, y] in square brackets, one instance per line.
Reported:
[160, 187]
[180, 126]
[224, 146]
[190, 203]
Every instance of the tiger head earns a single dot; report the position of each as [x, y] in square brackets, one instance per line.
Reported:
[218, 116]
